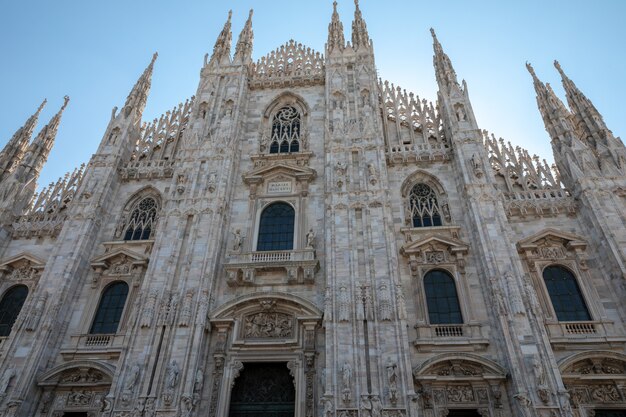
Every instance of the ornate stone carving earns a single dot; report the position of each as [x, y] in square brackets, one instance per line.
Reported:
[79, 398]
[171, 381]
[149, 309]
[343, 304]
[346, 382]
[185, 311]
[268, 325]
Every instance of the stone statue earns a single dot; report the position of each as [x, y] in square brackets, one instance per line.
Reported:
[133, 378]
[310, 239]
[7, 376]
[172, 375]
[346, 375]
[237, 240]
[366, 406]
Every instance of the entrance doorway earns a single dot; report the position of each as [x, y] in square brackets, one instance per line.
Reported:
[263, 389]
[610, 413]
[463, 413]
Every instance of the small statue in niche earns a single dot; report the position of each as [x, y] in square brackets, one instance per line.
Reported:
[460, 113]
[237, 240]
[477, 166]
[6, 380]
[212, 182]
[310, 239]
[372, 173]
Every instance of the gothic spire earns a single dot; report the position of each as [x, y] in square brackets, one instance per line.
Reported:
[221, 50]
[360, 37]
[138, 96]
[243, 50]
[571, 155]
[15, 148]
[446, 76]
[39, 149]
[587, 118]
[335, 32]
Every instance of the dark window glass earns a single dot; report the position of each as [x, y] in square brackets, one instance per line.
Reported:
[424, 207]
[610, 413]
[565, 294]
[10, 307]
[274, 147]
[441, 298]
[276, 228]
[110, 309]
[142, 218]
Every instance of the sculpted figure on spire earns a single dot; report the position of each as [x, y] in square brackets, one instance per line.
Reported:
[336, 39]
[221, 50]
[360, 37]
[138, 96]
[15, 149]
[243, 50]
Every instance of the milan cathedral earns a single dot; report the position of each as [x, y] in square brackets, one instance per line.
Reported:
[301, 238]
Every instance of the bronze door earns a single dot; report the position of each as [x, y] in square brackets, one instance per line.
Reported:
[263, 389]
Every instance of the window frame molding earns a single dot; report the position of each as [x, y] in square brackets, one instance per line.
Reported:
[24, 269]
[458, 288]
[554, 248]
[423, 177]
[262, 205]
[124, 215]
[286, 99]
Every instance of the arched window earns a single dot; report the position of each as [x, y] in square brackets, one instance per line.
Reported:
[10, 307]
[441, 298]
[142, 220]
[565, 294]
[110, 309]
[285, 131]
[423, 206]
[276, 228]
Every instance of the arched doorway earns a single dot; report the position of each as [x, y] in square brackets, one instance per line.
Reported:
[263, 389]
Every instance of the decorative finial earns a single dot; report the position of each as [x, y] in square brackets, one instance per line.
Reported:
[154, 57]
[335, 6]
[531, 69]
[66, 99]
[41, 106]
[356, 3]
[432, 32]
[558, 67]
[250, 14]
[230, 14]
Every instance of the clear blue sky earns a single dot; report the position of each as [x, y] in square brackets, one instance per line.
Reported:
[95, 50]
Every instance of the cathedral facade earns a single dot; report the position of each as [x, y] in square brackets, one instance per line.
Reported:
[303, 239]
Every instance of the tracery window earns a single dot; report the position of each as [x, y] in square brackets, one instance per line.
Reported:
[423, 206]
[142, 220]
[567, 299]
[110, 309]
[276, 227]
[10, 307]
[285, 136]
[441, 298]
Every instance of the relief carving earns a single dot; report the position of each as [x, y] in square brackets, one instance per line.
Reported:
[268, 325]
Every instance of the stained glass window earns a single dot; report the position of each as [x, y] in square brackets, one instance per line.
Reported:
[142, 220]
[285, 131]
[424, 207]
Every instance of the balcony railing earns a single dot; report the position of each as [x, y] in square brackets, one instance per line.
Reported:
[98, 340]
[244, 268]
[467, 336]
[448, 330]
